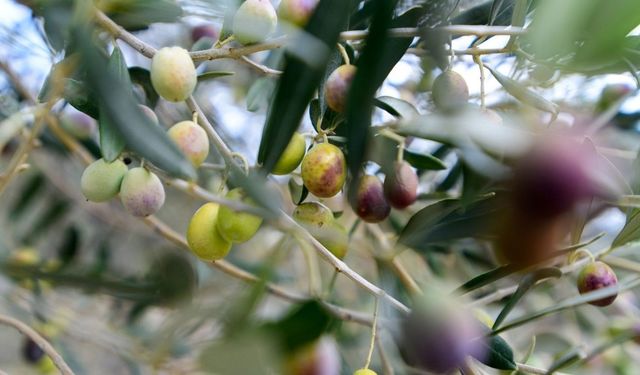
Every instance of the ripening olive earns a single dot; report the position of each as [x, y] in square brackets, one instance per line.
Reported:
[594, 276]
[191, 140]
[450, 91]
[324, 170]
[319, 221]
[79, 125]
[141, 192]
[319, 357]
[202, 31]
[296, 11]
[337, 87]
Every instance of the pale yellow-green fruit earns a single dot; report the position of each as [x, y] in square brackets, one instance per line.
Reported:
[237, 226]
[202, 235]
[365, 371]
[173, 74]
[141, 192]
[319, 221]
[292, 155]
[254, 21]
[101, 181]
[191, 140]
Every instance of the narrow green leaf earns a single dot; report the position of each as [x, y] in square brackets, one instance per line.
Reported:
[376, 61]
[525, 284]
[69, 246]
[304, 324]
[571, 303]
[213, 74]
[631, 230]
[523, 94]
[111, 140]
[260, 93]
[487, 278]
[300, 79]
[116, 98]
[448, 220]
[499, 354]
[139, 14]
[567, 359]
[424, 161]
[396, 107]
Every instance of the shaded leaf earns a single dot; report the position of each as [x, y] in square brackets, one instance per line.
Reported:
[303, 325]
[213, 74]
[424, 161]
[524, 94]
[378, 57]
[396, 107]
[525, 284]
[499, 354]
[142, 77]
[139, 14]
[260, 93]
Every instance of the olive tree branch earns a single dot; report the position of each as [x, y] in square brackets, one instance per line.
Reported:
[38, 339]
[283, 222]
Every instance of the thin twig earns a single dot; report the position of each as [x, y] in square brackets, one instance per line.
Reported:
[260, 67]
[41, 341]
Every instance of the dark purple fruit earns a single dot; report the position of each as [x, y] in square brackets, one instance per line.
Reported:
[439, 338]
[371, 205]
[32, 352]
[337, 87]
[202, 31]
[594, 276]
[553, 177]
[401, 185]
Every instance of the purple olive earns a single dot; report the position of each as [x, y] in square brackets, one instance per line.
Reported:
[371, 204]
[594, 276]
[202, 31]
[401, 185]
[439, 338]
[337, 87]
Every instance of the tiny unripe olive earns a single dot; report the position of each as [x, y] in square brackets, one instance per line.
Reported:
[324, 170]
[101, 181]
[191, 140]
[319, 221]
[141, 192]
[594, 276]
[292, 155]
[254, 21]
[237, 226]
[173, 73]
[371, 204]
[365, 371]
[450, 91]
[202, 234]
[401, 185]
[296, 12]
[337, 87]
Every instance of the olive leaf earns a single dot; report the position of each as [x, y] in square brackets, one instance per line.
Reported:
[524, 94]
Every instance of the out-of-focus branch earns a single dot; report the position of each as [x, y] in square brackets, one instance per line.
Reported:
[41, 341]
